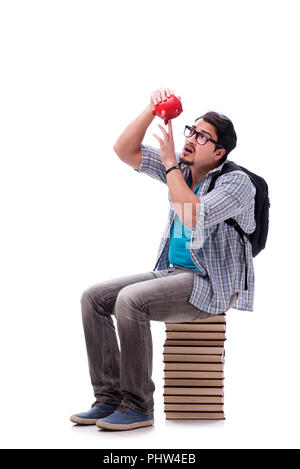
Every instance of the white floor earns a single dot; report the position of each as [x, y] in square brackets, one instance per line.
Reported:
[257, 413]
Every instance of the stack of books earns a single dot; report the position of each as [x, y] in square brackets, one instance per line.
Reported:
[194, 369]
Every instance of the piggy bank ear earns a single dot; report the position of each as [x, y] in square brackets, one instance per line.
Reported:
[179, 97]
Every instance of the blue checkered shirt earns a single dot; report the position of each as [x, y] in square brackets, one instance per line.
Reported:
[215, 247]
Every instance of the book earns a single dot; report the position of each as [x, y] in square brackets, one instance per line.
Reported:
[213, 319]
[196, 335]
[195, 374]
[206, 343]
[169, 357]
[194, 350]
[194, 382]
[194, 366]
[194, 407]
[193, 391]
[195, 327]
[195, 415]
[193, 399]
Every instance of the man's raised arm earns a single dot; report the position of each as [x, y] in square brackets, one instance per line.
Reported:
[128, 145]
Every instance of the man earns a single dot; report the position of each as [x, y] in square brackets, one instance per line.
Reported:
[200, 268]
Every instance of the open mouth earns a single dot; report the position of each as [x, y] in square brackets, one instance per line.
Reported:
[188, 149]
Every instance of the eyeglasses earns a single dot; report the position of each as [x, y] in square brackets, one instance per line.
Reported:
[201, 138]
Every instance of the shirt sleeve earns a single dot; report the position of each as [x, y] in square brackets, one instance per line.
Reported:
[151, 163]
[232, 196]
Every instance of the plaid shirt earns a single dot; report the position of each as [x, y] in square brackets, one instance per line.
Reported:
[215, 248]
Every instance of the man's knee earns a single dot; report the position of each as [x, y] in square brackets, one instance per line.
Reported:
[129, 303]
[91, 299]
[86, 301]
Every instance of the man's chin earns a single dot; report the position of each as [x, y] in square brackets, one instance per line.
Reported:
[184, 160]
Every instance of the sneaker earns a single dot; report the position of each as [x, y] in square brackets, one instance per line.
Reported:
[99, 410]
[125, 418]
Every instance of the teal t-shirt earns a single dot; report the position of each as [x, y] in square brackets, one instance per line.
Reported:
[180, 238]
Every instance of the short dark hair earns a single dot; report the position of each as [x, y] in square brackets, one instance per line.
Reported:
[226, 135]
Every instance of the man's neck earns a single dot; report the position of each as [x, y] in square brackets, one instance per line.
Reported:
[198, 175]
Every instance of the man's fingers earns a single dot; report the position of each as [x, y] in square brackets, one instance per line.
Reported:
[158, 96]
[168, 92]
[164, 130]
[154, 99]
[163, 94]
[157, 137]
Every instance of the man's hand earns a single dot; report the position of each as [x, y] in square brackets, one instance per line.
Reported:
[160, 95]
[167, 148]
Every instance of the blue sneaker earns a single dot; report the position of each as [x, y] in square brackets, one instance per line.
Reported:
[125, 418]
[99, 410]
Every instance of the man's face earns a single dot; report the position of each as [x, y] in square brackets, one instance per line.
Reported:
[201, 156]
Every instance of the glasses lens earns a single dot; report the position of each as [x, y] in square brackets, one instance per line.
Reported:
[201, 139]
[188, 131]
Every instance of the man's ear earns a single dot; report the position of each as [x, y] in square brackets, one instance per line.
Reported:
[220, 153]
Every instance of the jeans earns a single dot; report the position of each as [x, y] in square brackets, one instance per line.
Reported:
[125, 376]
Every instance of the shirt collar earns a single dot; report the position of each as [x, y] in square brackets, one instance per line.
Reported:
[187, 170]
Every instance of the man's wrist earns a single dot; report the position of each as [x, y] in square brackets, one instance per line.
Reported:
[148, 110]
[169, 164]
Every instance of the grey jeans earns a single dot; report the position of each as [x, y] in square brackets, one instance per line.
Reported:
[125, 376]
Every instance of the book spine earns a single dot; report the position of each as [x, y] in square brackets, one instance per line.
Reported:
[199, 391]
[195, 415]
[193, 399]
[193, 358]
[213, 319]
[194, 350]
[196, 335]
[193, 367]
[195, 327]
[195, 374]
[194, 407]
[192, 343]
[194, 382]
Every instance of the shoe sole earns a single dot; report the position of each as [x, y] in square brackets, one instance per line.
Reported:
[82, 421]
[128, 426]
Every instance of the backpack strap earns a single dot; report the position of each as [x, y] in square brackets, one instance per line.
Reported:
[228, 167]
[237, 227]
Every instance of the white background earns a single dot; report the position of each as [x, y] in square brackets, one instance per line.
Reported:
[74, 74]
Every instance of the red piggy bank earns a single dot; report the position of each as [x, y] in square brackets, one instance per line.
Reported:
[168, 109]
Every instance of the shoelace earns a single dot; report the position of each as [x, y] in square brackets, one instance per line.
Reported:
[97, 403]
[122, 408]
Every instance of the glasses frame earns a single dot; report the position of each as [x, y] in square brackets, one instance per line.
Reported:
[207, 139]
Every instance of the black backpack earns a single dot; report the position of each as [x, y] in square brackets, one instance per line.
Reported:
[262, 203]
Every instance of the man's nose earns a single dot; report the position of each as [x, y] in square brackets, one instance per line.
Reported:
[193, 140]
